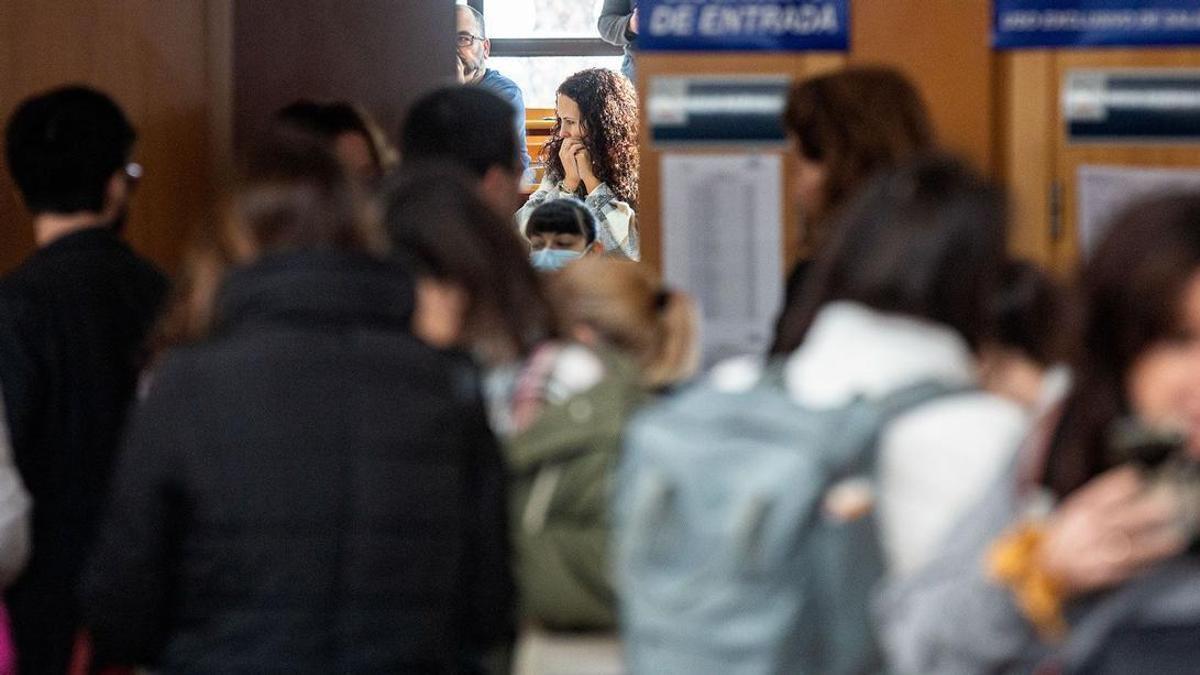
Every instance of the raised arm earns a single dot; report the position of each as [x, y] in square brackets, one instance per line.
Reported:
[613, 23]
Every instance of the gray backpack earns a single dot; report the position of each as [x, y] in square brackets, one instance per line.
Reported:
[728, 558]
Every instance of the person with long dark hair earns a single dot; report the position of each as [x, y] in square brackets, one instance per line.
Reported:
[476, 291]
[844, 127]
[1019, 580]
[594, 156]
[900, 295]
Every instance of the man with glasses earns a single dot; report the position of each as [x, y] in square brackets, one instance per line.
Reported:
[473, 50]
[73, 321]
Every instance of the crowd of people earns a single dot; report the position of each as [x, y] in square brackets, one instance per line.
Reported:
[390, 418]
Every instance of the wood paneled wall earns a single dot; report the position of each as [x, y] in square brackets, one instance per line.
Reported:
[944, 47]
[152, 56]
[379, 53]
[190, 72]
[1040, 164]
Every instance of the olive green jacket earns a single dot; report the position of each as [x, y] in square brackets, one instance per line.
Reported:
[561, 468]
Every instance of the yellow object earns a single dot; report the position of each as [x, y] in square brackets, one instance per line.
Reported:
[1013, 561]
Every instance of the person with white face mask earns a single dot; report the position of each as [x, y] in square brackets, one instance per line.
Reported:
[560, 232]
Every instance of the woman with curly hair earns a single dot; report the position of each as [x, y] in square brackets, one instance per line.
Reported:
[594, 156]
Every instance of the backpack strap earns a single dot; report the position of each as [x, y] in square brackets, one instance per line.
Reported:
[905, 399]
[774, 373]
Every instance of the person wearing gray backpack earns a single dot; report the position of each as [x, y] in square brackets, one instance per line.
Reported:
[757, 510]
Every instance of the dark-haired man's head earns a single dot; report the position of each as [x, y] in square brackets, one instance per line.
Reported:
[352, 135]
[473, 44]
[68, 151]
[474, 128]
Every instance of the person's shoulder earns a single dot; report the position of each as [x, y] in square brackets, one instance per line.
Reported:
[497, 81]
[21, 288]
[141, 265]
[973, 413]
[973, 431]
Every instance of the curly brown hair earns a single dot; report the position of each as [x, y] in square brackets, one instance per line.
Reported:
[608, 105]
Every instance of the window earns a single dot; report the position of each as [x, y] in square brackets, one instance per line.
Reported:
[534, 19]
[539, 43]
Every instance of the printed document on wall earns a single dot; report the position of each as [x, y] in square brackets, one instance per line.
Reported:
[722, 242]
[1105, 191]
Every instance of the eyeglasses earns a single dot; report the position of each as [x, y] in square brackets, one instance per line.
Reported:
[134, 172]
[466, 39]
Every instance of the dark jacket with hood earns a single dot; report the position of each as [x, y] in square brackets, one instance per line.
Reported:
[311, 490]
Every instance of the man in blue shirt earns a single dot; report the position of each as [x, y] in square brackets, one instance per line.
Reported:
[473, 50]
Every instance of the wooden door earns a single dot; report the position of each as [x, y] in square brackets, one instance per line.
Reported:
[1070, 156]
[1041, 164]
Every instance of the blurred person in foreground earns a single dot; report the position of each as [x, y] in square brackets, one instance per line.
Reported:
[901, 294]
[784, 492]
[1025, 360]
[467, 126]
[15, 511]
[73, 319]
[476, 290]
[844, 127]
[626, 339]
[1075, 560]
[309, 488]
[353, 136]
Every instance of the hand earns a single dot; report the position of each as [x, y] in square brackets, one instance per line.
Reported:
[567, 153]
[633, 24]
[583, 164]
[1108, 531]
[462, 73]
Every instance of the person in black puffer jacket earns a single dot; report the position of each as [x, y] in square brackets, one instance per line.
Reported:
[309, 489]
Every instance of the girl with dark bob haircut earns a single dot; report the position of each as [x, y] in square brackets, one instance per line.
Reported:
[594, 156]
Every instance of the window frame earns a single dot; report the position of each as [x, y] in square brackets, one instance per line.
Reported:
[534, 47]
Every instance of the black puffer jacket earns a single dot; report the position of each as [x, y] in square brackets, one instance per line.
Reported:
[310, 491]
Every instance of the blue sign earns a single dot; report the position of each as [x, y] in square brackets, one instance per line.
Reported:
[743, 25]
[1095, 23]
